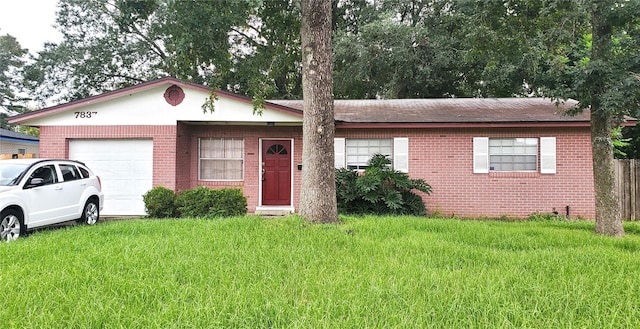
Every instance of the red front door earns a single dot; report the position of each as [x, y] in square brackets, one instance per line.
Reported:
[276, 172]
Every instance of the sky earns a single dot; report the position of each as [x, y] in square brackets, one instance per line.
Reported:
[30, 22]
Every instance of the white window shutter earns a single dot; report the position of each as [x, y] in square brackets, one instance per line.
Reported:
[547, 155]
[481, 155]
[401, 154]
[339, 150]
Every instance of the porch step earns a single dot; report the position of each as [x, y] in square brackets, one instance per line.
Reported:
[273, 212]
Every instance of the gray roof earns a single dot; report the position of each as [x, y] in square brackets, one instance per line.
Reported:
[450, 110]
[8, 134]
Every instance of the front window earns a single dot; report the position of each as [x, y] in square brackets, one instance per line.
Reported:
[513, 154]
[359, 151]
[10, 173]
[221, 158]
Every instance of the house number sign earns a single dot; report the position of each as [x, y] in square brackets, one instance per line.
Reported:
[85, 114]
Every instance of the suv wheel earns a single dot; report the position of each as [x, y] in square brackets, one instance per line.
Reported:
[91, 213]
[11, 226]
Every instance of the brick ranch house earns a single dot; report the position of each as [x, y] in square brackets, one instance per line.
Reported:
[483, 157]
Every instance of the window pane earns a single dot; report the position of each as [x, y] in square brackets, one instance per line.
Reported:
[221, 158]
[69, 172]
[211, 148]
[359, 151]
[513, 154]
[386, 151]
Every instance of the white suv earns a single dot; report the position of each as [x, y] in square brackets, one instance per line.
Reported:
[39, 192]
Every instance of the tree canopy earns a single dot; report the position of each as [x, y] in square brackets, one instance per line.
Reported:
[585, 50]
[12, 58]
[382, 48]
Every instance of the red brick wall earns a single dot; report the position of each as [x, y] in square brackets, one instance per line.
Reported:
[444, 158]
[54, 143]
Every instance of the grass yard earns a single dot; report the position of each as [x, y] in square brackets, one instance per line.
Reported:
[371, 272]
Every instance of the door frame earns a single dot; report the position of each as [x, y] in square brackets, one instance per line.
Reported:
[268, 207]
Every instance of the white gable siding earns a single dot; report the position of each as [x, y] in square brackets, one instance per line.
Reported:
[149, 107]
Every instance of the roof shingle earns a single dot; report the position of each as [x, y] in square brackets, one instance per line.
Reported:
[450, 110]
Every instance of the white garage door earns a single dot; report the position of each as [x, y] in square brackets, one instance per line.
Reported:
[125, 167]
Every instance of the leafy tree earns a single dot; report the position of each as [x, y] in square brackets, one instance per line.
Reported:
[632, 137]
[619, 143]
[106, 45]
[12, 58]
[248, 47]
[607, 88]
[318, 189]
[404, 49]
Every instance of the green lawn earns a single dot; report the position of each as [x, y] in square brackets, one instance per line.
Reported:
[371, 272]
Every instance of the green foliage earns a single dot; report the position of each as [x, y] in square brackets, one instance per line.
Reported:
[413, 204]
[390, 48]
[632, 134]
[415, 57]
[12, 59]
[195, 202]
[247, 47]
[619, 142]
[379, 190]
[202, 202]
[230, 202]
[159, 202]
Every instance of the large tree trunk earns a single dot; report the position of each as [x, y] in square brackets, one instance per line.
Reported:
[608, 216]
[318, 190]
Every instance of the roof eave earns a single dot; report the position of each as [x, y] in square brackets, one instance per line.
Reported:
[434, 125]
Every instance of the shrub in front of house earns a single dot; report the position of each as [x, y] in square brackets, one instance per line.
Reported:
[230, 202]
[203, 202]
[159, 202]
[379, 190]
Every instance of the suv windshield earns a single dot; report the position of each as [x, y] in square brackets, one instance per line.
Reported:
[9, 173]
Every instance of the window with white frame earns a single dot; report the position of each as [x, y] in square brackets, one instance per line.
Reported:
[361, 150]
[514, 154]
[221, 158]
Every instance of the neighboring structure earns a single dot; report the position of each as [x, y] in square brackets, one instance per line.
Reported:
[18, 145]
[483, 157]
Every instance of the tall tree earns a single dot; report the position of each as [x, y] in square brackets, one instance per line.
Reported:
[600, 69]
[318, 190]
[12, 57]
[603, 119]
